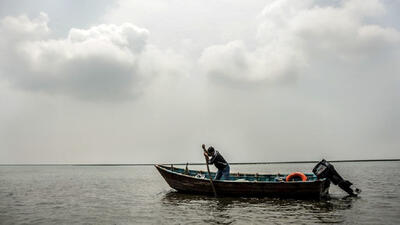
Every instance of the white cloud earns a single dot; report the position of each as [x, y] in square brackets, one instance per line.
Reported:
[192, 25]
[299, 35]
[234, 63]
[104, 62]
[21, 27]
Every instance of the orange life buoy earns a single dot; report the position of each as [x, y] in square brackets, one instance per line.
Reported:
[296, 174]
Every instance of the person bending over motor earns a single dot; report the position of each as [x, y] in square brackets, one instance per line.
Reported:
[218, 161]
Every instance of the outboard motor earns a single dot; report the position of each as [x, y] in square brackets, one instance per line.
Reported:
[325, 170]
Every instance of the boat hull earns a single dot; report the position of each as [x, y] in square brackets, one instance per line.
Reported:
[299, 190]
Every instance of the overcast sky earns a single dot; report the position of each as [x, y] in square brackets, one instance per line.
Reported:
[150, 81]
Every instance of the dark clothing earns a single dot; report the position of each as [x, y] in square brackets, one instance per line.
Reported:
[224, 174]
[218, 161]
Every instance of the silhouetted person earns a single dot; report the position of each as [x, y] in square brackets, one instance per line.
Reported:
[218, 161]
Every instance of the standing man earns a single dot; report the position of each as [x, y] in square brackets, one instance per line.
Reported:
[218, 161]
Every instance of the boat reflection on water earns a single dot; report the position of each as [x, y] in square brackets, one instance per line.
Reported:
[227, 210]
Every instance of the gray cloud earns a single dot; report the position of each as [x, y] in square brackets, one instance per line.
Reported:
[234, 64]
[104, 62]
[294, 37]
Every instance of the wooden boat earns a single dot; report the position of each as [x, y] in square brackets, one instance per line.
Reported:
[239, 184]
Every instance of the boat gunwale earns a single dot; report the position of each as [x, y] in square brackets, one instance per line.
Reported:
[162, 167]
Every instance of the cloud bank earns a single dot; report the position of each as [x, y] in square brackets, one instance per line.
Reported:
[296, 36]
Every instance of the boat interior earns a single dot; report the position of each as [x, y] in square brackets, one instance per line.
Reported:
[237, 176]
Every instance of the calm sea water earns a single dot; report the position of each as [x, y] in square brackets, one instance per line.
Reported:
[139, 195]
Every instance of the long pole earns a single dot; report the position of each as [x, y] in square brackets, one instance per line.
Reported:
[209, 175]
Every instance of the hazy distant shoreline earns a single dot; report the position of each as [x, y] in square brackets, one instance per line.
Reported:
[197, 163]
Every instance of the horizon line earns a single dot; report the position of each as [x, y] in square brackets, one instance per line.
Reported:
[191, 163]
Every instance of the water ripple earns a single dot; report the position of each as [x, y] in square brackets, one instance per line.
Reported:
[138, 195]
